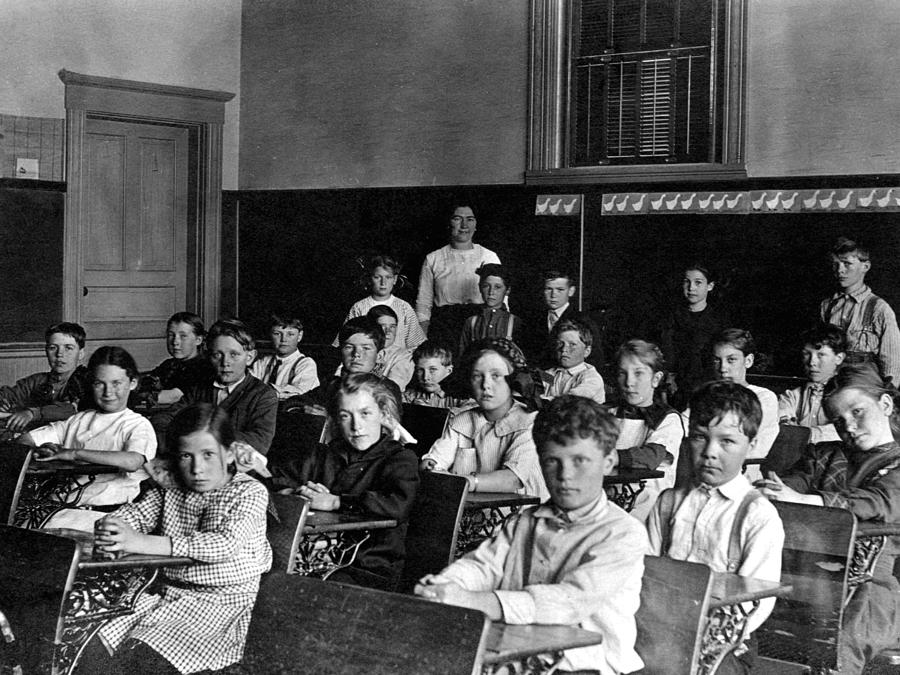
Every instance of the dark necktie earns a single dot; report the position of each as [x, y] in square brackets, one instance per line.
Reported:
[273, 374]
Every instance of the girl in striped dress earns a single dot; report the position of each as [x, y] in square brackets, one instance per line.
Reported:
[199, 615]
[382, 273]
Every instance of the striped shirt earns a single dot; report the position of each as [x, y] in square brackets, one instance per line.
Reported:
[870, 325]
[409, 332]
[802, 406]
[489, 323]
[504, 444]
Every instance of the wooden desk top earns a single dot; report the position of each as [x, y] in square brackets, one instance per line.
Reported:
[67, 467]
[620, 476]
[335, 521]
[89, 563]
[868, 528]
[730, 589]
[488, 500]
[508, 642]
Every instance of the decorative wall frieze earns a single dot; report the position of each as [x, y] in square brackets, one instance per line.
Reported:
[752, 201]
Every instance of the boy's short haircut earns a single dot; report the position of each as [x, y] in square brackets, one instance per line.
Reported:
[365, 325]
[847, 246]
[493, 270]
[549, 275]
[73, 330]
[571, 418]
[738, 338]
[191, 319]
[379, 311]
[711, 401]
[233, 328]
[385, 261]
[433, 349]
[584, 331]
[285, 321]
[825, 335]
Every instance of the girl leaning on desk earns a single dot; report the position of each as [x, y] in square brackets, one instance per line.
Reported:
[860, 473]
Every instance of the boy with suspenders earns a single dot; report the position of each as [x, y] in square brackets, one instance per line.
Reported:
[720, 519]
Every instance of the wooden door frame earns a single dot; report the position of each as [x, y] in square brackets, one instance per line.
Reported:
[202, 112]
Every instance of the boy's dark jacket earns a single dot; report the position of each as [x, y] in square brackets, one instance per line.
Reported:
[381, 481]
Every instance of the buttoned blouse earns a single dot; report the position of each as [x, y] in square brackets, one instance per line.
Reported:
[448, 278]
[504, 444]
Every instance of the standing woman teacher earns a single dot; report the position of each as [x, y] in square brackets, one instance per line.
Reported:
[448, 284]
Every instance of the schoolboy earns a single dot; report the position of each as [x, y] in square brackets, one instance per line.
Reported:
[558, 293]
[868, 322]
[362, 347]
[824, 349]
[251, 404]
[578, 559]
[573, 339]
[720, 520]
[395, 361]
[733, 354]
[494, 320]
[55, 395]
[288, 371]
[434, 363]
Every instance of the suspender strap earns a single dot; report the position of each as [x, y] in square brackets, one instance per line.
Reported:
[734, 539]
[669, 500]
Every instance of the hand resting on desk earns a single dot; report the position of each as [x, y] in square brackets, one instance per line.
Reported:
[437, 588]
[114, 535]
[49, 451]
[319, 496]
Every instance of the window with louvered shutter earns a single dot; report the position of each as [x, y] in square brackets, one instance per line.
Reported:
[636, 82]
[641, 70]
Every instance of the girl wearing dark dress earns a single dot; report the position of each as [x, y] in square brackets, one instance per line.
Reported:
[686, 337]
[363, 470]
[188, 366]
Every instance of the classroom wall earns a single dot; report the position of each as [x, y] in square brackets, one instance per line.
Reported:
[298, 252]
[388, 93]
[173, 42]
[823, 91]
[434, 92]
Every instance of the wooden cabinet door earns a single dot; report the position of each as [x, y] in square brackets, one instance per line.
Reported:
[134, 211]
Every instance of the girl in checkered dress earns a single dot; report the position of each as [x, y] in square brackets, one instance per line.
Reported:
[197, 617]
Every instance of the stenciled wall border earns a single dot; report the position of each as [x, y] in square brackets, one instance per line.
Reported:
[837, 200]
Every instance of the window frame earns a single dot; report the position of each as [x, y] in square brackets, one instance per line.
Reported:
[550, 86]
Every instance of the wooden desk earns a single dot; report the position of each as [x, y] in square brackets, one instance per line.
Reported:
[624, 485]
[729, 619]
[484, 514]
[52, 486]
[102, 590]
[331, 540]
[534, 648]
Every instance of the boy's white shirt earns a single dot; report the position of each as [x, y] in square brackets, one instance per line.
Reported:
[702, 529]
